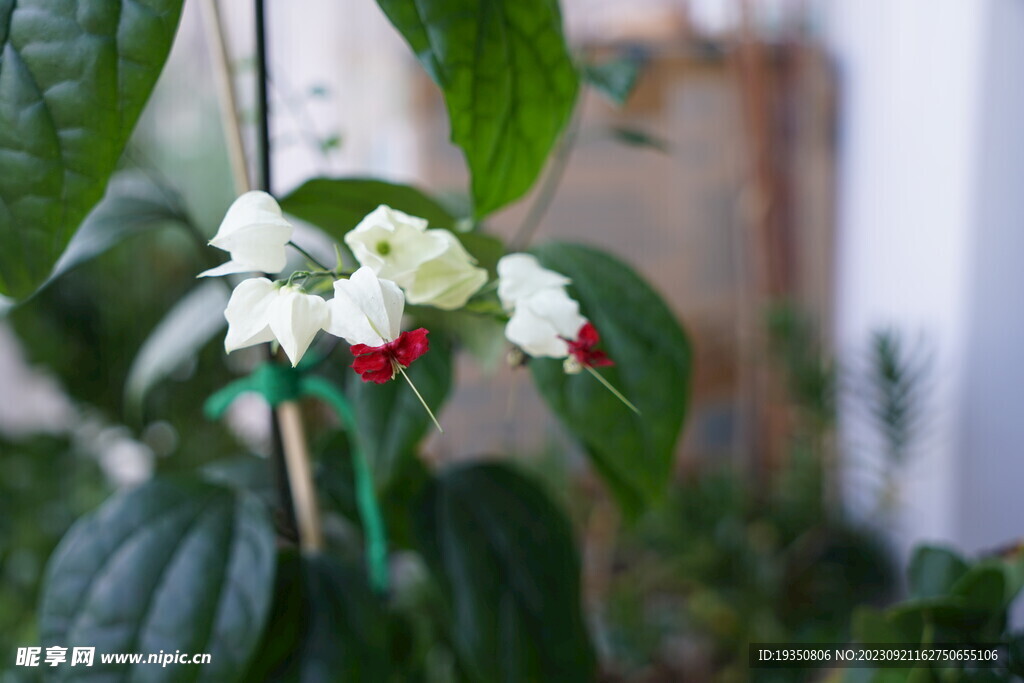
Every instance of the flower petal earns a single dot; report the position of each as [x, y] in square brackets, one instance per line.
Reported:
[449, 280]
[247, 314]
[295, 318]
[254, 232]
[392, 243]
[373, 364]
[521, 276]
[366, 309]
[542, 321]
[410, 345]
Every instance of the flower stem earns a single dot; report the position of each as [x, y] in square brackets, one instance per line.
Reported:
[609, 387]
[420, 397]
[309, 257]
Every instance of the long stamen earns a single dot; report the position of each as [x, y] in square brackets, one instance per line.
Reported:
[420, 397]
[612, 389]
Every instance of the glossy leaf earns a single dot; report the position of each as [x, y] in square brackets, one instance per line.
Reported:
[172, 565]
[505, 557]
[614, 78]
[508, 82]
[933, 571]
[634, 453]
[337, 204]
[195, 319]
[131, 207]
[74, 77]
[391, 420]
[327, 626]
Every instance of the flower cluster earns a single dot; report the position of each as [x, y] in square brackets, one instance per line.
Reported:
[366, 309]
[545, 321]
[400, 260]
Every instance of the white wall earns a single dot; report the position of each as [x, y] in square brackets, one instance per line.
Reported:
[930, 227]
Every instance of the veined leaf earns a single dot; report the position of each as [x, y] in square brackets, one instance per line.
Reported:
[74, 77]
[634, 453]
[505, 556]
[172, 565]
[337, 204]
[186, 328]
[508, 82]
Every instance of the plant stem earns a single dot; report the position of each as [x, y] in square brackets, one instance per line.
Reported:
[552, 179]
[309, 257]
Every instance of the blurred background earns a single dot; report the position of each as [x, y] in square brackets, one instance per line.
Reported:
[828, 193]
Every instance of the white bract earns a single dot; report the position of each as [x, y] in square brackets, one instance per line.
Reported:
[262, 311]
[366, 309]
[431, 266]
[543, 313]
[255, 233]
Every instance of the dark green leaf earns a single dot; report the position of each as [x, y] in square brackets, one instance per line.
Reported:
[505, 557]
[73, 78]
[391, 419]
[933, 571]
[508, 81]
[332, 626]
[186, 329]
[171, 565]
[614, 78]
[638, 138]
[652, 359]
[337, 204]
[131, 207]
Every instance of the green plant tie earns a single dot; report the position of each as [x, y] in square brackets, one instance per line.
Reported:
[279, 383]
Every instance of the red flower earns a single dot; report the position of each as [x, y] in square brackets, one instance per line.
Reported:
[583, 348]
[380, 364]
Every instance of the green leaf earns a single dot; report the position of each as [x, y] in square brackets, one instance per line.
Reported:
[132, 206]
[337, 204]
[186, 329]
[74, 77]
[172, 565]
[508, 82]
[614, 78]
[634, 453]
[391, 420]
[933, 571]
[635, 137]
[506, 559]
[332, 626]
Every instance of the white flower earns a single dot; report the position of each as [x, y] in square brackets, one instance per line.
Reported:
[521, 275]
[431, 266]
[262, 311]
[543, 313]
[254, 232]
[366, 309]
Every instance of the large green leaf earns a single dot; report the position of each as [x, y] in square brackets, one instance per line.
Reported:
[391, 419]
[338, 204]
[933, 571]
[74, 76]
[172, 565]
[187, 328]
[652, 359]
[505, 557]
[132, 206]
[508, 81]
[327, 626]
